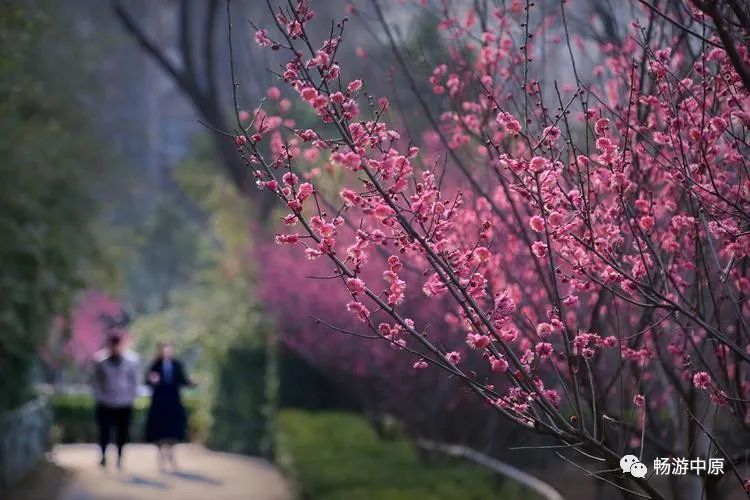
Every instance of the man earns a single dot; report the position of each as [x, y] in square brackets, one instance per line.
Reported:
[115, 386]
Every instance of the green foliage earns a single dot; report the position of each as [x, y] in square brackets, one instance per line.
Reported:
[207, 307]
[74, 420]
[302, 386]
[338, 456]
[168, 250]
[48, 170]
[240, 411]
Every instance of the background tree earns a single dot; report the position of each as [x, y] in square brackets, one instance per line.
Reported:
[49, 175]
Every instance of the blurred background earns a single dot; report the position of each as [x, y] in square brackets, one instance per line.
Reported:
[117, 199]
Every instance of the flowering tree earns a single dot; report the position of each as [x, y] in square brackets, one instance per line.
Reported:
[588, 238]
[79, 337]
[374, 372]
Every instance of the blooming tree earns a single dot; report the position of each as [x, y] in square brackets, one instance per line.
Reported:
[311, 325]
[588, 237]
[77, 338]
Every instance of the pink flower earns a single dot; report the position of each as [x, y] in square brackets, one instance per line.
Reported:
[309, 94]
[552, 396]
[601, 126]
[509, 334]
[359, 310]
[537, 224]
[702, 380]
[555, 218]
[539, 249]
[290, 179]
[511, 124]
[350, 197]
[420, 365]
[719, 398]
[544, 330]
[294, 29]
[319, 102]
[354, 86]
[499, 365]
[395, 263]
[356, 285]
[312, 254]
[610, 341]
[477, 341]
[396, 295]
[528, 357]
[287, 239]
[543, 349]
[538, 164]
[482, 254]
[639, 400]
[646, 222]
[240, 140]
[273, 93]
[382, 211]
[513, 127]
[305, 191]
[294, 205]
[453, 357]
[551, 133]
[261, 38]
[718, 124]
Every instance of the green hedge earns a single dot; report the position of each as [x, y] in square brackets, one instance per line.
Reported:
[338, 456]
[242, 411]
[74, 419]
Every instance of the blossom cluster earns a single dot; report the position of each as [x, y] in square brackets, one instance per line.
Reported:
[590, 252]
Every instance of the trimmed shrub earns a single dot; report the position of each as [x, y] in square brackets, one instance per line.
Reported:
[240, 409]
[74, 420]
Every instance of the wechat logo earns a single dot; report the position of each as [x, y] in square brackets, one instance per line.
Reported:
[631, 464]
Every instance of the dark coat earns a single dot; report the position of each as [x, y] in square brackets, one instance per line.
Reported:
[166, 415]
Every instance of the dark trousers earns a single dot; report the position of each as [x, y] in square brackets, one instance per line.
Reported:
[119, 418]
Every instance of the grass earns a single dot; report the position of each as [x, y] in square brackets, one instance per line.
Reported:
[337, 456]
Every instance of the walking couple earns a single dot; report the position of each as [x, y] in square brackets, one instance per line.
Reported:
[115, 386]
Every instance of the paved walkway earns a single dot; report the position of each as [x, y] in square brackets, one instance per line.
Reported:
[203, 475]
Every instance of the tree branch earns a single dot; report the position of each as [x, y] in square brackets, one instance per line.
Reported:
[151, 48]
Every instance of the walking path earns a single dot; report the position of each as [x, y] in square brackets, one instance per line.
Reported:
[202, 475]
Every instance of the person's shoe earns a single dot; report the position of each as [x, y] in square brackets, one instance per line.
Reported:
[162, 461]
[103, 461]
[172, 461]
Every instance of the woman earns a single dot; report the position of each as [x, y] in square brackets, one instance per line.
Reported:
[166, 420]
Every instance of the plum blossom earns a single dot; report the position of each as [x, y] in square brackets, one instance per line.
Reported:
[537, 224]
[453, 357]
[702, 380]
[499, 365]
